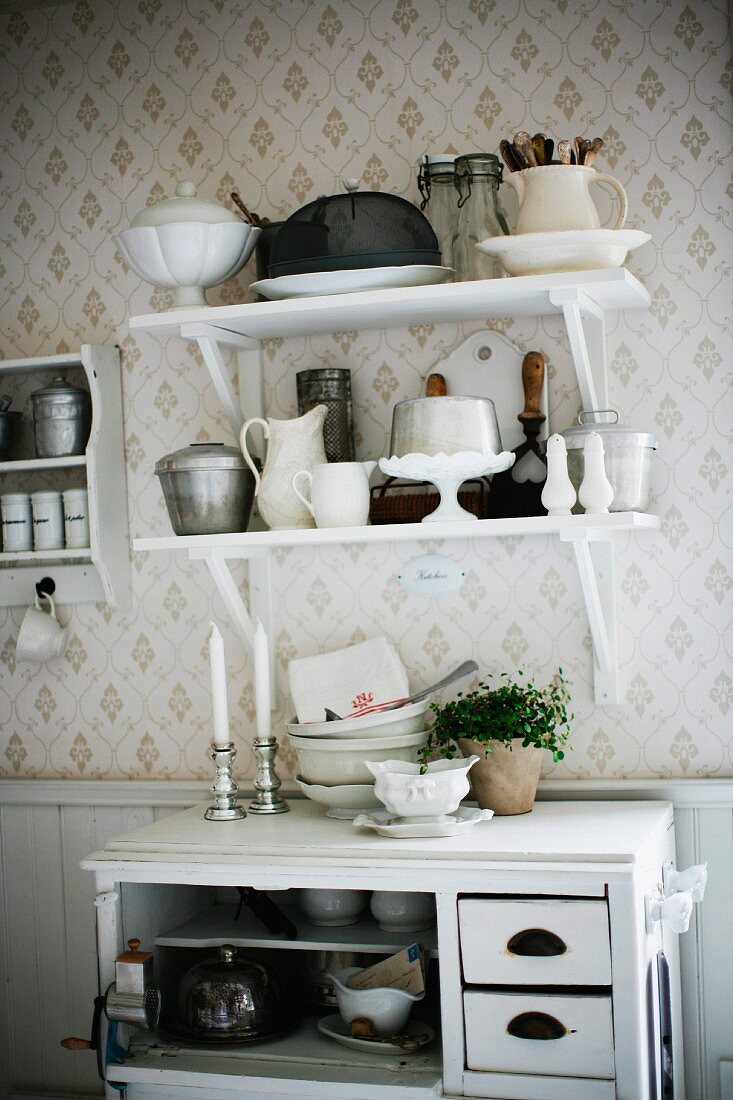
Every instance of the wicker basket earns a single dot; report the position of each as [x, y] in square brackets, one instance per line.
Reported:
[397, 502]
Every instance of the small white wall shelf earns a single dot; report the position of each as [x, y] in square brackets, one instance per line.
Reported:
[100, 574]
[591, 537]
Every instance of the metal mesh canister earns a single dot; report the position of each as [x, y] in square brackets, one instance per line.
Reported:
[330, 386]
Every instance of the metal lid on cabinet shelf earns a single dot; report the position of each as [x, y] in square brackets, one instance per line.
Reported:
[202, 456]
[60, 392]
[605, 423]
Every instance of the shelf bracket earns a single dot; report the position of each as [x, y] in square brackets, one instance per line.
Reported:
[585, 324]
[594, 557]
[243, 617]
[210, 341]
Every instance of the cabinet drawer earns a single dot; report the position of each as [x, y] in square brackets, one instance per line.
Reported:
[565, 1034]
[534, 942]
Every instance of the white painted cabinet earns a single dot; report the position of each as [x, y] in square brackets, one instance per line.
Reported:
[562, 892]
[99, 573]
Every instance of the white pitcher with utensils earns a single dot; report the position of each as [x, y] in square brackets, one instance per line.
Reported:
[337, 493]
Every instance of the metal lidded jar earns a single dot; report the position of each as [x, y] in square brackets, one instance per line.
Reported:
[62, 419]
[208, 489]
[627, 455]
[477, 179]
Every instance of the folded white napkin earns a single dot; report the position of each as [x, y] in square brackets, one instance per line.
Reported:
[349, 681]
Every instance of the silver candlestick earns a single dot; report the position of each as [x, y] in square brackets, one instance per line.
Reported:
[266, 782]
[224, 789]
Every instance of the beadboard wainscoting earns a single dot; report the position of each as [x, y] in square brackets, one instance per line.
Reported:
[47, 943]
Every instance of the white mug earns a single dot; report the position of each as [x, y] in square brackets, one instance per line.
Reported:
[338, 493]
[17, 522]
[41, 636]
[76, 519]
[48, 521]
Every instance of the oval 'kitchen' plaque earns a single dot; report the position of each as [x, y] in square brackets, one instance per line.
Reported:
[431, 575]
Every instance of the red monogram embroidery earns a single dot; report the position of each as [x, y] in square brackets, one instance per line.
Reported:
[362, 700]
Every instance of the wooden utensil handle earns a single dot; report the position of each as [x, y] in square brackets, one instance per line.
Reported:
[72, 1043]
[533, 377]
[436, 386]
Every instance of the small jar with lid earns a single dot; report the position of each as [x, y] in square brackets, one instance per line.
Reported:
[477, 179]
[435, 179]
[627, 455]
[62, 419]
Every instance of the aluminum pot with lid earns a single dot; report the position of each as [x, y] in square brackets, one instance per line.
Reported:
[431, 425]
[62, 419]
[208, 489]
[627, 457]
[231, 998]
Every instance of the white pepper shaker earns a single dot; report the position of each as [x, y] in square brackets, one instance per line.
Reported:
[558, 495]
[595, 492]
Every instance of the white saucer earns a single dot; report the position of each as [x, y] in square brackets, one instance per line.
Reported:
[569, 250]
[386, 824]
[335, 1028]
[348, 282]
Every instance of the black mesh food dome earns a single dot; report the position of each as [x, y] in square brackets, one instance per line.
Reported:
[354, 230]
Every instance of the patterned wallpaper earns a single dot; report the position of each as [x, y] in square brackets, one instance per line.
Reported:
[105, 103]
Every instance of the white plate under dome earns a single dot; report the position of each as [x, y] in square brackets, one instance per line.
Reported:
[348, 282]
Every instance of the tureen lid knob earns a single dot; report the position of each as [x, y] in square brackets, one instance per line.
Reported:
[186, 190]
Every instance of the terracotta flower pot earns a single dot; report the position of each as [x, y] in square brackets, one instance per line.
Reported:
[504, 780]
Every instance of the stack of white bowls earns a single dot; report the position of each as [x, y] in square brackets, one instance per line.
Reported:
[332, 755]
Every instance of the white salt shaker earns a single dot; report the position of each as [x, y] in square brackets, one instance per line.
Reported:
[558, 495]
[595, 492]
[76, 519]
[48, 521]
[17, 522]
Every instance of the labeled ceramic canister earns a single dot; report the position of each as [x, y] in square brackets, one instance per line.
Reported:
[76, 519]
[17, 522]
[48, 521]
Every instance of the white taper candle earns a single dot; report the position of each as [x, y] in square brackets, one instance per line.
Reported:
[219, 687]
[262, 681]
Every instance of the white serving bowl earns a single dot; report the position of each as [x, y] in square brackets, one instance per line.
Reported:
[331, 762]
[409, 794]
[188, 256]
[387, 1009]
[386, 723]
[333, 908]
[400, 911]
[344, 801]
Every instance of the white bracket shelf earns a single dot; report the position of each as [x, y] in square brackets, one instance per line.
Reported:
[592, 539]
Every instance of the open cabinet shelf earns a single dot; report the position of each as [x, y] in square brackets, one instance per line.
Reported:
[101, 572]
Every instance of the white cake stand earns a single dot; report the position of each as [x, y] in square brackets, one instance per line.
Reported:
[447, 473]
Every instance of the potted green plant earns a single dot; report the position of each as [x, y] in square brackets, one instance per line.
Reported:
[513, 724]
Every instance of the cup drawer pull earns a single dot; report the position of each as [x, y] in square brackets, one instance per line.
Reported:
[536, 1025]
[536, 941]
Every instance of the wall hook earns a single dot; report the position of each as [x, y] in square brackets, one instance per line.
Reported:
[45, 587]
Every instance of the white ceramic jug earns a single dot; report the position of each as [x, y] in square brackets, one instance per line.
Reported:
[292, 445]
[556, 197]
[338, 493]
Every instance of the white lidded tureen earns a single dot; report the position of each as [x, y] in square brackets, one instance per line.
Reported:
[187, 244]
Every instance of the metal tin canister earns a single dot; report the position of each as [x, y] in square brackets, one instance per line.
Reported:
[208, 489]
[330, 386]
[627, 456]
[62, 419]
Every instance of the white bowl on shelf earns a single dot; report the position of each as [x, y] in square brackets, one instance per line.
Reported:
[187, 257]
[333, 908]
[564, 250]
[385, 723]
[400, 911]
[344, 801]
[331, 762]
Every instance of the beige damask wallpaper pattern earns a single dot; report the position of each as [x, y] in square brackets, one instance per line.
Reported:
[105, 103]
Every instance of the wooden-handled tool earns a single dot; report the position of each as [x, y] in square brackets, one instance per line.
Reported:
[436, 386]
[533, 378]
[72, 1043]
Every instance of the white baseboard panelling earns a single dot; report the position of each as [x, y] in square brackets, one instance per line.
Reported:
[48, 975]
